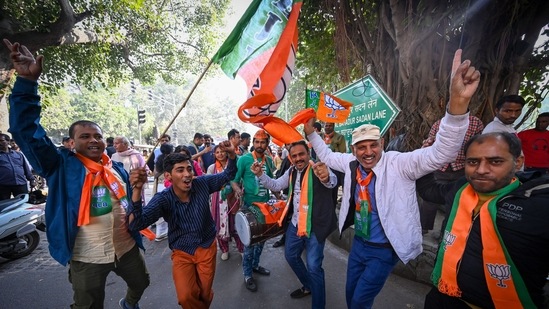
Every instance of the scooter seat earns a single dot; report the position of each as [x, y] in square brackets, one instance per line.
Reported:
[7, 205]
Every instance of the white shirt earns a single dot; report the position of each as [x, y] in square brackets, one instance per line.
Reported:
[283, 182]
[497, 126]
[395, 188]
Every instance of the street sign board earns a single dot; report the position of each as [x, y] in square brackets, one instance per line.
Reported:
[370, 105]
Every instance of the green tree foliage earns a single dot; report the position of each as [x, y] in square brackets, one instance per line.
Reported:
[101, 43]
[110, 109]
[84, 40]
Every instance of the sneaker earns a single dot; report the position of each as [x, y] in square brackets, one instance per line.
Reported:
[124, 305]
[278, 243]
[224, 256]
[300, 293]
[250, 284]
[262, 271]
[161, 237]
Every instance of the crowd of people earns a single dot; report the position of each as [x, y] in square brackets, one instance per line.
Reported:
[495, 239]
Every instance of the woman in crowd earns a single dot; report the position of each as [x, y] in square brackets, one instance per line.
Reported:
[224, 208]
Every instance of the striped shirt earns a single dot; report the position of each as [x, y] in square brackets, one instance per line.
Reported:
[190, 224]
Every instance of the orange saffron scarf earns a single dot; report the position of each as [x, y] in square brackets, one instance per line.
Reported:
[506, 287]
[363, 206]
[305, 203]
[96, 173]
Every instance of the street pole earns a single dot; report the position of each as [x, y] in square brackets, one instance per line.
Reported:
[139, 125]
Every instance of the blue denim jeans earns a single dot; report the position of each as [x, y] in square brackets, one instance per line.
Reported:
[311, 276]
[251, 258]
[368, 268]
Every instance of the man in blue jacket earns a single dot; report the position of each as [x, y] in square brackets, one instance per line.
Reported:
[88, 196]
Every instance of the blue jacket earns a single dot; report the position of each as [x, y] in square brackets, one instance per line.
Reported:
[63, 171]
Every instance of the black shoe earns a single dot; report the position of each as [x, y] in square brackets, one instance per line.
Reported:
[262, 271]
[278, 243]
[250, 284]
[300, 293]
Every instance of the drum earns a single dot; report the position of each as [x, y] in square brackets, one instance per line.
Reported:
[251, 231]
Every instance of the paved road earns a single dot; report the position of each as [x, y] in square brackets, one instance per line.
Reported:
[37, 281]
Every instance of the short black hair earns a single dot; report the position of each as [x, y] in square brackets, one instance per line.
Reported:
[317, 126]
[207, 136]
[513, 142]
[302, 143]
[166, 136]
[181, 148]
[6, 137]
[198, 135]
[110, 140]
[510, 98]
[83, 123]
[171, 160]
[245, 135]
[546, 114]
[232, 133]
[65, 138]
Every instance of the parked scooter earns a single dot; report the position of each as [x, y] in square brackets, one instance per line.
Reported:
[19, 221]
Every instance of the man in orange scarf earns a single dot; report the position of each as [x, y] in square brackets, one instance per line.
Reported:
[379, 194]
[494, 250]
[311, 207]
[88, 196]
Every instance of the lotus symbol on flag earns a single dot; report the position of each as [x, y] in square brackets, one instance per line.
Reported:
[332, 104]
[449, 239]
[499, 272]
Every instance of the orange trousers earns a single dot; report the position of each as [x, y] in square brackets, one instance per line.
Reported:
[193, 276]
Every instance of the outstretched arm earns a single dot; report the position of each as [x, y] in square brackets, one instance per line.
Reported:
[464, 83]
[25, 111]
[334, 160]
[445, 147]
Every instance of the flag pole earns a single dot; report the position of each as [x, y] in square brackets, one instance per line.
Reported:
[184, 103]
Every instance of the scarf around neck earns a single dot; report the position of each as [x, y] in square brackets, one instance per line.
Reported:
[363, 206]
[506, 286]
[97, 172]
[305, 202]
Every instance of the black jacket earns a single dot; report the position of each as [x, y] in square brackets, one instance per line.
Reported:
[523, 223]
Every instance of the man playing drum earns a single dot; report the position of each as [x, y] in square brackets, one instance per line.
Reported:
[252, 192]
[312, 215]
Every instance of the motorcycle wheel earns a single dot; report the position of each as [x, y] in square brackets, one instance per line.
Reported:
[32, 240]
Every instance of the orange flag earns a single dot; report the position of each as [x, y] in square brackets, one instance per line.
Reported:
[328, 107]
[262, 50]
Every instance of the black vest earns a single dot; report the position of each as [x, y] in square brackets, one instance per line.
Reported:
[350, 218]
[323, 218]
